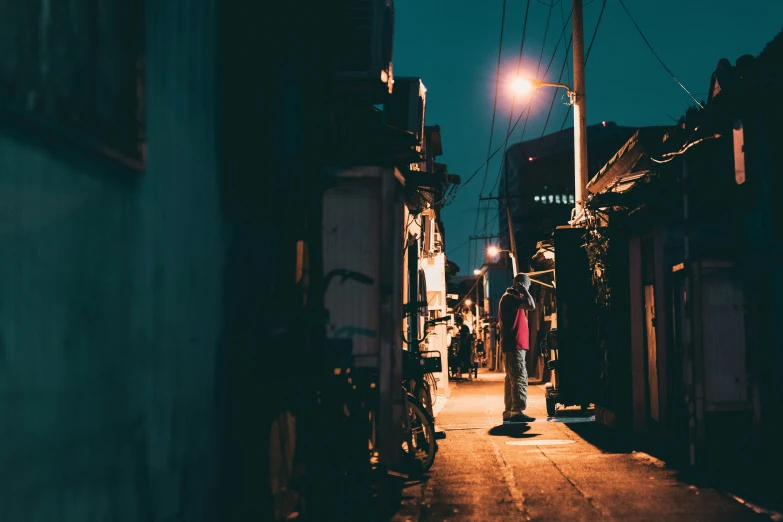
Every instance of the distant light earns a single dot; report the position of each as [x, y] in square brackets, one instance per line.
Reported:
[565, 198]
[551, 198]
[468, 302]
[476, 272]
[571, 198]
[493, 251]
[557, 198]
[603, 123]
[537, 198]
[531, 158]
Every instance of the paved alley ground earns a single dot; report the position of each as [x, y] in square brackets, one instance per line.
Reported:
[548, 470]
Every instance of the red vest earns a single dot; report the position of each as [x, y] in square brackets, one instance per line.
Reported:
[520, 329]
[513, 335]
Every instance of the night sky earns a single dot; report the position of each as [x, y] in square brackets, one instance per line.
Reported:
[453, 46]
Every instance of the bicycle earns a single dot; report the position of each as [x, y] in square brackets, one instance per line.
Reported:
[419, 437]
[346, 401]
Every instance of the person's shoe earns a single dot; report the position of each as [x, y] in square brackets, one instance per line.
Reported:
[508, 415]
[521, 417]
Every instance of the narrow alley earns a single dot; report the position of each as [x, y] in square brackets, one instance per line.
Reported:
[561, 468]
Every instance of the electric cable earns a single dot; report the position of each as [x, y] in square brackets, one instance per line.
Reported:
[527, 115]
[473, 175]
[494, 113]
[497, 84]
[656, 55]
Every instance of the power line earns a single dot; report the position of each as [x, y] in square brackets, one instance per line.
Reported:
[519, 70]
[479, 232]
[554, 96]
[658, 57]
[458, 247]
[456, 191]
[514, 99]
[510, 115]
[494, 112]
[538, 69]
[562, 17]
[497, 84]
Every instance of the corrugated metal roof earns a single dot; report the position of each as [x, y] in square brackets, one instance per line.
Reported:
[626, 159]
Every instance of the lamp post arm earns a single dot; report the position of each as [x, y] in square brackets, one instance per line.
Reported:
[561, 85]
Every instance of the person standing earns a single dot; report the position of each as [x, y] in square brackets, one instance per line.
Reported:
[463, 347]
[515, 343]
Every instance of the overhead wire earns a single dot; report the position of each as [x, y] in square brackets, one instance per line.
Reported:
[473, 175]
[562, 17]
[658, 57]
[669, 156]
[511, 113]
[497, 85]
[554, 95]
[494, 113]
[538, 69]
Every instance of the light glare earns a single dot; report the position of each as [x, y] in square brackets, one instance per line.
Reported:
[521, 86]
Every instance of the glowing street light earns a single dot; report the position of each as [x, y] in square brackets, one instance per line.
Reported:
[468, 302]
[476, 272]
[521, 86]
[493, 251]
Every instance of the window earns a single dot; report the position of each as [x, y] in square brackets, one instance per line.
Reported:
[554, 198]
[77, 68]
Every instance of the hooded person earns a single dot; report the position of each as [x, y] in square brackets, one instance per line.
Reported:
[515, 343]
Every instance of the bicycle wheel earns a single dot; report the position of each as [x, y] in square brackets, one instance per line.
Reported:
[433, 386]
[419, 440]
[424, 395]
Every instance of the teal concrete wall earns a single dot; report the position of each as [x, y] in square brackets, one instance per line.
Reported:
[110, 288]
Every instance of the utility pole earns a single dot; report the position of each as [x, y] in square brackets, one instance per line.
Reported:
[512, 239]
[580, 111]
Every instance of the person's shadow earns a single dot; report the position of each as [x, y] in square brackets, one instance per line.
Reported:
[512, 430]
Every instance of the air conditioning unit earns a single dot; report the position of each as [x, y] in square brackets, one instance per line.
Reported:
[364, 60]
[405, 108]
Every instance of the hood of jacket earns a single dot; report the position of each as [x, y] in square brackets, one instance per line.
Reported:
[513, 292]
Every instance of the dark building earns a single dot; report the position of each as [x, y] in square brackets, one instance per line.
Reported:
[691, 280]
[538, 176]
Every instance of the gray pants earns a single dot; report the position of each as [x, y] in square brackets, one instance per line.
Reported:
[516, 381]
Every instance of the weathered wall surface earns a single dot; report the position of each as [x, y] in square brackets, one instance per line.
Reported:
[110, 305]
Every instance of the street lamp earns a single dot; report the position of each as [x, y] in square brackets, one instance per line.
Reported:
[524, 85]
[493, 251]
